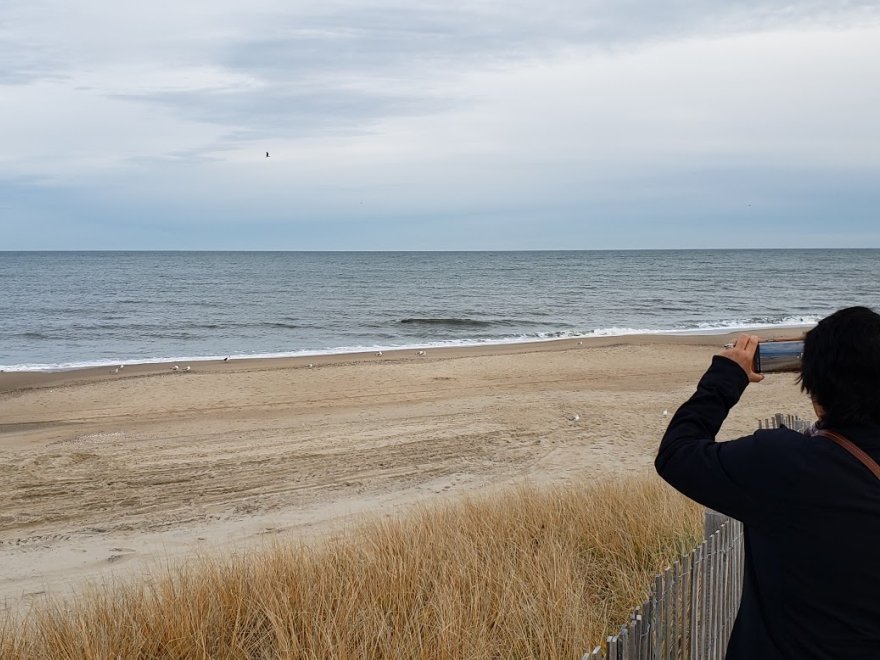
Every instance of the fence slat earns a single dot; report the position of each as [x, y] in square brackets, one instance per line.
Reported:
[679, 606]
[660, 618]
[710, 592]
[650, 625]
[612, 649]
[693, 633]
[704, 603]
[724, 591]
[684, 600]
[716, 610]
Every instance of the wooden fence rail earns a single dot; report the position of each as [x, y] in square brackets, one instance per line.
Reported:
[692, 605]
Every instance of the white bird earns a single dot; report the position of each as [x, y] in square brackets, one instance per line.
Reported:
[311, 366]
[576, 418]
[580, 343]
[115, 371]
[665, 413]
[421, 353]
[187, 368]
[175, 368]
[122, 366]
[379, 354]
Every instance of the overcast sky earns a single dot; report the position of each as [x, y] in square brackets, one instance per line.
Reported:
[490, 124]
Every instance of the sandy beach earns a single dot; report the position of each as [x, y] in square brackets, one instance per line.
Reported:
[111, 475]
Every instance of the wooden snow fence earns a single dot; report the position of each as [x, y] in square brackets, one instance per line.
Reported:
[690, 610]
[692, 605]
[790, 421]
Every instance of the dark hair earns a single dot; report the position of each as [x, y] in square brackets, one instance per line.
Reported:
[840, 369]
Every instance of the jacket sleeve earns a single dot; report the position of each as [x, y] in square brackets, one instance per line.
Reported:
[719, 475]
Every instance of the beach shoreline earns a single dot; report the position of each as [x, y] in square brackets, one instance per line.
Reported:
[111, 474]
[13, 380]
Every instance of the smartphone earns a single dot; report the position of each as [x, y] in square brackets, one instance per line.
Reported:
[775, 356]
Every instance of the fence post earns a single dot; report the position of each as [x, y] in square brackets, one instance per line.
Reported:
[712, 522]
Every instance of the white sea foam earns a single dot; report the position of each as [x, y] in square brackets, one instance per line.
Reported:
[749, 324]
[719, 327]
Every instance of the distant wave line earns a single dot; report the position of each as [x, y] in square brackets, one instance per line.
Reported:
[185, 332]
[464, 322]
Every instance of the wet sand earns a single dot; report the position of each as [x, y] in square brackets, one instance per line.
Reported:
[113, 474]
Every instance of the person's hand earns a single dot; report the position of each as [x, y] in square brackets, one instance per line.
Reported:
[743, 353]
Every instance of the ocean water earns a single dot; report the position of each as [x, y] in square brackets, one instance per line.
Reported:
[62, 310]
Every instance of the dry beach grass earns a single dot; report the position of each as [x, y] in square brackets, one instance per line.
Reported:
[529, 572]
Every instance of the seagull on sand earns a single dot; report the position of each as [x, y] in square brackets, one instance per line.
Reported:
[379, 354]
[576, 418]
[175, 368]
[421, 353]
[187, 368]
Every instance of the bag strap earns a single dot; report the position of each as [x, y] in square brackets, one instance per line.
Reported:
[868, 462]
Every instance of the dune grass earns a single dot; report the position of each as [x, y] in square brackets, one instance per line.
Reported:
[528, 573]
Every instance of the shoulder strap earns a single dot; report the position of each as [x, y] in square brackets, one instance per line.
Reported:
[869, 462]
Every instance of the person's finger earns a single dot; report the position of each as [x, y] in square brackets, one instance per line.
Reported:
[752, 344]
[746, 359]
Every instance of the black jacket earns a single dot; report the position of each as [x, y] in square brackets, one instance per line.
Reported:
[811, 584]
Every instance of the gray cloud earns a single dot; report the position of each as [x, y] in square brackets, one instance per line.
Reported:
[307, 59]
[417, 37]
[344, 66]
[310, 65]
[289, 110]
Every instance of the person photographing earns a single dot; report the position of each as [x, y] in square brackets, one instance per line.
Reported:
[809, 504]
